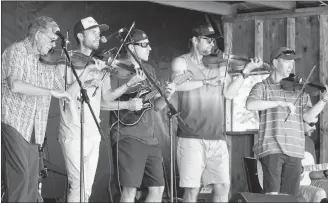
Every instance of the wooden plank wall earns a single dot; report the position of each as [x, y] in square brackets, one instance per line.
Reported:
[324, 79]
[302, 34]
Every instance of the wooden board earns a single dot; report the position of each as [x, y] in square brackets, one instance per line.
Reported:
[274, 36]
[324, 79]
[243, 39]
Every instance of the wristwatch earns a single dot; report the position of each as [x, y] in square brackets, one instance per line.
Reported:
[325, 172]
[205, 82]
[244, 75]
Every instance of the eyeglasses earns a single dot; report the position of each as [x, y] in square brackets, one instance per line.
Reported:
[143, 44]
[287, 52]
[208, 39]
[51, 40]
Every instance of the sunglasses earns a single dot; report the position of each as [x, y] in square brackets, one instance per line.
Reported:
[208, 39]
[287, 52]
[143, 44]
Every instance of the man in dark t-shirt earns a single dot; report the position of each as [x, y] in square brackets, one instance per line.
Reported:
[135, 148]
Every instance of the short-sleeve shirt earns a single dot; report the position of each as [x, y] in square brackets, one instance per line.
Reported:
[70, 116]
[142, 131]
[24, 112]
[276, 135]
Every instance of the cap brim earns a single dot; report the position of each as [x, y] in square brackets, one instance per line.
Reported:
[215, 36]
[290, 57]
[102, 27]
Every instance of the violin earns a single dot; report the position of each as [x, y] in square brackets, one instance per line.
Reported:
[237, 63]
[295, 82]
[79, 60]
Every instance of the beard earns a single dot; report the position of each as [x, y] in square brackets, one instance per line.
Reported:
[92, 45]
[205, 52]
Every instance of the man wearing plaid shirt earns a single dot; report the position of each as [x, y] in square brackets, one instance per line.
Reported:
[27, 87]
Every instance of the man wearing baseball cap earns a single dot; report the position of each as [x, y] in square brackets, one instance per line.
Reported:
[87, 33]
[281, 143]
[135, 147]
[202, 153]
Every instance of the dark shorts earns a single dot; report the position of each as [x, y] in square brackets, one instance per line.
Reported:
[139, 164]
[281, 173]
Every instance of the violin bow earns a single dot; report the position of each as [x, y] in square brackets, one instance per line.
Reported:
[302, 89]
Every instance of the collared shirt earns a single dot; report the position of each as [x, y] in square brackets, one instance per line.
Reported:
[25, 112]
[276, 135]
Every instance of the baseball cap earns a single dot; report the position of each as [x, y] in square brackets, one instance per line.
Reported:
[205, 30]
[88, 23]
[136, 35]
[284, 53]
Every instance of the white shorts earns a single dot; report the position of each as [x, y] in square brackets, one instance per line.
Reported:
[202, 162]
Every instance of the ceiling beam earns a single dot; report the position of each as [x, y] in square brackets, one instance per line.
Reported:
[202, 6]
[276, 4]
[300, 12]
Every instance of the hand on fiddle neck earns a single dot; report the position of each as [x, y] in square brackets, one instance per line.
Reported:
[97, 66]
[136, 78]
[253, 64]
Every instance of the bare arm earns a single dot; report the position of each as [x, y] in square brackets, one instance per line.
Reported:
[179, 65]
[232, 90]
[317, 108]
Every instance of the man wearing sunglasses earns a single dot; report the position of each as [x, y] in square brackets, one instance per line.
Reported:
[202, 153]
[27, 88]
[314, 184]
[136, 152]
[281, 143]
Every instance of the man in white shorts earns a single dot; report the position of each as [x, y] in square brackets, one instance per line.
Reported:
[202, 154]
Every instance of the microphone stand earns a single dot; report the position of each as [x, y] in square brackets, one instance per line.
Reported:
[84, 98]
[171, 113]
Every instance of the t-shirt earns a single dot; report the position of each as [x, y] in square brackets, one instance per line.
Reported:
[144, 129]
[276, 135]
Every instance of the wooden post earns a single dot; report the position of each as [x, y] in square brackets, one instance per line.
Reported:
[228, 49]
[228, 103]
[259, 43]
[291, 34]
[324, 79]
[259, 39]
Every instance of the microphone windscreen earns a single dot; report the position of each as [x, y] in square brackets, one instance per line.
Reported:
[103, 39]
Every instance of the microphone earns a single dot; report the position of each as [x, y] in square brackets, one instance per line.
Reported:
[104, 39]
[61, 37]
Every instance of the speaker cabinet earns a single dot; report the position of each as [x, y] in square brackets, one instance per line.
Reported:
[244, 197]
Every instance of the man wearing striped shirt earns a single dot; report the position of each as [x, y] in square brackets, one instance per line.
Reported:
[281, 144]
[27, 87]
